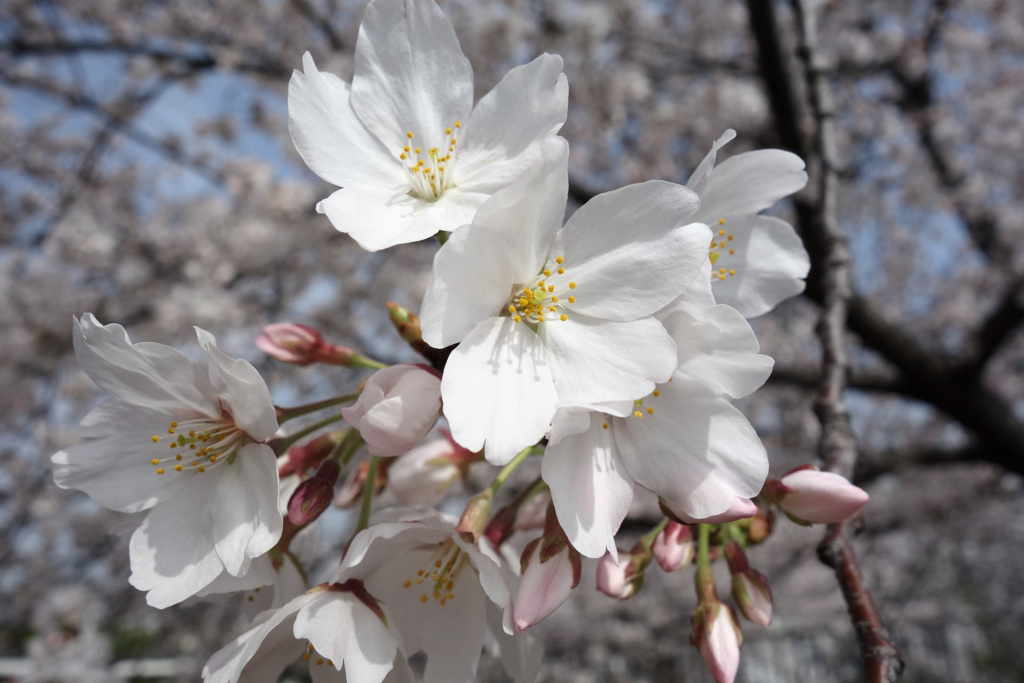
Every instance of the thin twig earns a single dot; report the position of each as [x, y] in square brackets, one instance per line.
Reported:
[880, 658]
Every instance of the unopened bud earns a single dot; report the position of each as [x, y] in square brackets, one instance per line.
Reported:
[715, 632]
[673, 547]
[309, 455]
[313, 496]
[550, 570]
[301, 345]
[474, 517]
[406, 323]
[810, 496]
[624, 579]
[750, 588]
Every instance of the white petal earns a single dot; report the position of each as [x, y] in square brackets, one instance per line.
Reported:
[497, 390]
[172, 552]
[241, 386]
[150, 375]
[329, 136]
[717, 347]
[453, 646]
[114, 466]
[770, 263]
[700, 174]
[246, 521]
[590, 488]
[347, 632]
[628, 251]
[262, 652]
[410, 74]
[378, 218]
[598, 360]
[527, 213]
[506, 130]
[700, 293]
[695, 450]
[750, 182]
[521, 654]
[473, 278]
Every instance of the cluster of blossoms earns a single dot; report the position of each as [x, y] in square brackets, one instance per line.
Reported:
[609, 347]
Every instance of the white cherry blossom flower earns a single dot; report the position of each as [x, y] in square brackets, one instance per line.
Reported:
[404, 142]
[548, 315]
[397, 408]
[758, 260]
[684, 441]
[182, 441]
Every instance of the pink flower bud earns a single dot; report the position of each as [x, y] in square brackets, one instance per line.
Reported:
[716, 634]
[551, 568]
[673, 547]
[310, 454]
[397, 408]
[313, 496]
[289, 343]
[815, 497]
[750, 588]
[624, 579]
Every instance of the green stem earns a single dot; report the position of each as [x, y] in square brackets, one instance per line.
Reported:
[735, 533]
[287, 442]
[347, 448]
[705, 576]
[648, 539]
[371, 480]
[285, 414]
[704, 544]
[358, 360]
[508, 469]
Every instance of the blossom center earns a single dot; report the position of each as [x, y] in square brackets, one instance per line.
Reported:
[196, 445]
[546, 299]
[430, 171]
[441, 574]
[720, 246]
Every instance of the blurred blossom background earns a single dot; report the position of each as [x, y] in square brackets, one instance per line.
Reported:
[147, 175]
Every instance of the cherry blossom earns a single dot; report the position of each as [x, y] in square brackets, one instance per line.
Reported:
[397, 408]
[404, 141]
[181, 440]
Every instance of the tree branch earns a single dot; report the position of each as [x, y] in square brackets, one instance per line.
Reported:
[881, 659]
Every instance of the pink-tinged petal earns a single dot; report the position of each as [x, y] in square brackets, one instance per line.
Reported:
[750, 182]
[172, 552]
[544, 586]
[694, 449]
[741, 508]
[720, 646]
[344, 630]
[473, 278]
[246, 518]
[703, 170]
[378, 217]
[597, 360]
[521, 654]
[114, 467]
[821, 497]
[498, 391]
[673, 547]
[396, 410]
[329, 136]
[770, 265]
[262, 652]
[590, 488]
[146, 374]
[410, 74]
[239, 384]
[717, 347]
[528, 213]
[631, 251]
[505, 132]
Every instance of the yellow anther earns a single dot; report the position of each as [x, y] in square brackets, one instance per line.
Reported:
[604, 425]
[564, 317]
[447, 131]
[155, 439]
[407, 583]
[547, 273]
[173, 444]
[511, 309]
[572, 299]
[174, 424]
[650, 411]
[155, 461]
[159, 470]
[540, 283]
[306, 657]
[732, 251]
[178, 456]
[518, 319]
[409, 135]
[572, 285]
[550, 308]
[721, 221]
[732, 272]
[417, 150]
[424, 598]
[561, 271]
[554, 299]
[721, 232]
[638, 414]
[721, 245]
[320, 660]
[170, 430]
[202, 469]
[402, 156]
[657, 393]
[178, 468]
[458, 124]
[730, 237]
[559, 260]
[406, 148]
